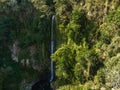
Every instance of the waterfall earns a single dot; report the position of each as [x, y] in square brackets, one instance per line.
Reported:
[52, 50]
[43, 83]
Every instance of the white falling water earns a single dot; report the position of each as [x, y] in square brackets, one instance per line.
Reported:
[52, 50]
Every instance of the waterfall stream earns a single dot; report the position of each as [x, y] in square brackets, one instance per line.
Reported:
[52, 49]
[43, 83]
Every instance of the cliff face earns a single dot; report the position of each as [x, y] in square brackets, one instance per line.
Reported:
[25, 38]
[24, 50]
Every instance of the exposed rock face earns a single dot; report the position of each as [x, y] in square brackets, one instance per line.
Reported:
[15, 51]
[30, 60]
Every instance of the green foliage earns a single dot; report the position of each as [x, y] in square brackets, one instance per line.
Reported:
[109, 75]
[84, 42]
[77, 64]
[64, 58]
[100, 77]
[109, 42]
[79, 73]
[108, 50]
[8, 31]
[24, 54]
[112, 73]
[114, 17]
[10, 77]
[86, 86]
[110, 26]
[88, 63]
[73, 27]
[70, 87]
[91, 41]
[35, 33]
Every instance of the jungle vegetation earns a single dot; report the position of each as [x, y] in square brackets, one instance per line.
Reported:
[87, 43]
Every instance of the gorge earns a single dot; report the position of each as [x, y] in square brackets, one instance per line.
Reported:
[59, 44]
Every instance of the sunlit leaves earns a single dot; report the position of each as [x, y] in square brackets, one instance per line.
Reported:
[114, 17]
[64, 58]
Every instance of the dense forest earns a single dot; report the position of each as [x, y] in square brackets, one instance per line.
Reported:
[87, 44]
